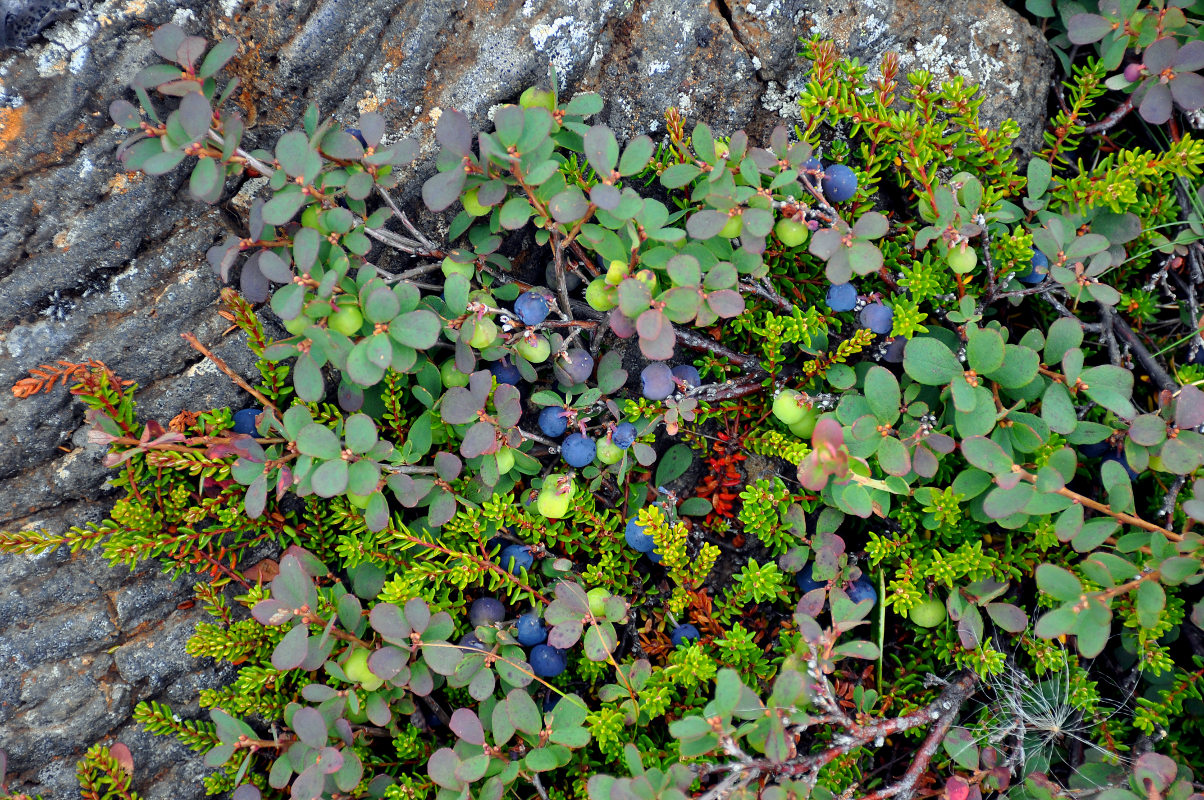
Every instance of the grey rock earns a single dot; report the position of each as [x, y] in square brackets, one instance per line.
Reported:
[99, 263]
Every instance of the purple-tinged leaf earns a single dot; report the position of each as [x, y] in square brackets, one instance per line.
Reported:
[1160, 55]
[1188, 90]
[251, 281]
[290, 652]
[1008, 617]
[1156, 105]
[1190, 57]
[443, 189]
[1087, 28]
[453, 132]
[310, 727]
[465, 724]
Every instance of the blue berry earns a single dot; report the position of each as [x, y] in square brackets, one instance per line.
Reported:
[552, 421]
[1119, 458]
[842, 297]
[576, 368]
[684, 633]
[654, 556]
[861, 589]
[894, 351]
[532, 307]
[839, 184]
[623, 435]
[637, 536]
[547, 662]
[516, 558]
[470, 640]
[657, 381]
[578, 450]
[486, 611]
[530, 630]
[571, 281]
[813, 165]
[806, 582]
[358, 135]
[244, 421]
[878, 318]
[506, 372]
[1038, 271]
[688, 374]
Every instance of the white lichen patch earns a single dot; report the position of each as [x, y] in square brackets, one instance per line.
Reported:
[67, 47]
[119, 297]
[31, 341]
[783, 101]
[183, 17]
[562, 46]
[230, 6]
[657, 67]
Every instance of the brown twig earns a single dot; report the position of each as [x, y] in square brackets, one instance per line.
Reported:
[231, 374]
[1109, 122]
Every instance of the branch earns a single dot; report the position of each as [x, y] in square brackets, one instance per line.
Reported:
[231, 374]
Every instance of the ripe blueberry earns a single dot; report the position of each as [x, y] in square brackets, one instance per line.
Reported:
[506, 372]
[574, 367]
[244, 421]
[547, 662]
[470, 640]
[552, 421]
[530, 630]
[657, 381]
[861, 589]
[684, 633]
[878, 318]
[806, 582]
[486, 611]
[841, 297]
[839, 183]
[637, 536]
[516, 558]
[578, 450]
[1038, 271]
[688, 374]
[532, 307]
[623, 435]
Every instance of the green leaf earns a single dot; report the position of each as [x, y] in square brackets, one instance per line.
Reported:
[636, 155]
[984, 350]
[679, 175]
[1039, 175]
[318, 441]
[1151, 599]
[986, 455]
[515, 213]
[930, 362]
[1020, 365]
[359, 432]
[959, 743]
[1057, 409]
[673, 464]
[330, 479]
[1058, 583]
[882, 394]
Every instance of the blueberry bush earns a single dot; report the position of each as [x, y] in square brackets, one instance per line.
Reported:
[863, 463]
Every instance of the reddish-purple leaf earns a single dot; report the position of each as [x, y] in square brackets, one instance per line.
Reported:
[465, 724]
[1087, 28]
[292, 649]
[1160, 55]
[453, 132]
[1188, 90]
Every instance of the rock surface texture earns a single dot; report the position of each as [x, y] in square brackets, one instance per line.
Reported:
[99, 263]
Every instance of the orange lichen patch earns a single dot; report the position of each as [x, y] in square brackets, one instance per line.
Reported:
[12, 124]
[370, 103]
[122, 182]
[62, 240]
